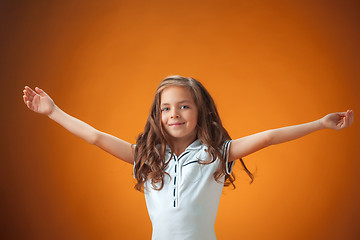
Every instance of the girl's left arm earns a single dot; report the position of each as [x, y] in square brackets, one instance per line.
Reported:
[244, 146]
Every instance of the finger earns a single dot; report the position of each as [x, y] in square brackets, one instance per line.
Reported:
[27, 101]
[352, 116]
[31, 92]
[347, 119]
[341, 114]
[27, 93]
[341, 123]
[40, 91]
[24, 98]
[28, 104]
[344, 120]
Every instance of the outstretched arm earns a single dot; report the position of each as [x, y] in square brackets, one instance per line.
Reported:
[244, 146]
[40, 102]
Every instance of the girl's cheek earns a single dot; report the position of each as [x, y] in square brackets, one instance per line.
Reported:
[163, 119]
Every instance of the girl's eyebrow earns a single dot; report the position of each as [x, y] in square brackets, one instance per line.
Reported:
[183, 101]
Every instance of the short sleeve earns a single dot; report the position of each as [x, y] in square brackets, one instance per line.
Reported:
[226, 148]
[134, 167]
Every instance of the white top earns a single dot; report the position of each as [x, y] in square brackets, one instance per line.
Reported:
[186, 207]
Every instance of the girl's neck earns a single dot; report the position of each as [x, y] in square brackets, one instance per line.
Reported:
[181, 144]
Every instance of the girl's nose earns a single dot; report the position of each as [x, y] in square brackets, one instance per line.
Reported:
[174, 114]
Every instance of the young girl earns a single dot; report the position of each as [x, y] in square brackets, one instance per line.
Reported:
[185, 156]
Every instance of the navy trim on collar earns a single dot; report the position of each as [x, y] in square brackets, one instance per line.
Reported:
[193, 146]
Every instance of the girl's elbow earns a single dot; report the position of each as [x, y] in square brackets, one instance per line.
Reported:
[94, 137]
[268, 139]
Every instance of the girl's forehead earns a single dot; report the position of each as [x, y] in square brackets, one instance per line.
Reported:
[176, 93]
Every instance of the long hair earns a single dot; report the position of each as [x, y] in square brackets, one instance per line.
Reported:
[151, 144]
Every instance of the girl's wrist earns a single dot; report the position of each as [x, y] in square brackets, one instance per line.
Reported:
[52, 113]
[321, 124]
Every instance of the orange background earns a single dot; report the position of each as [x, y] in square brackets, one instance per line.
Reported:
[268, 64]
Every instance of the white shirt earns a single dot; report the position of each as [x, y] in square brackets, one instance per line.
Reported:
[187, 205]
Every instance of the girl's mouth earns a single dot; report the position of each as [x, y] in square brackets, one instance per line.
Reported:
[175, 124]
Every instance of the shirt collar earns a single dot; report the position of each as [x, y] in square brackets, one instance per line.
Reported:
[193, 146]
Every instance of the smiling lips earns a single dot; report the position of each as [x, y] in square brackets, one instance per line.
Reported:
[175, 124]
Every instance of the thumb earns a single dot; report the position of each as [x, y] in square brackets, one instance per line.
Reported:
[40, 91]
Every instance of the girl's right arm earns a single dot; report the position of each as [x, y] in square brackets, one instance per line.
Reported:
[40, 102]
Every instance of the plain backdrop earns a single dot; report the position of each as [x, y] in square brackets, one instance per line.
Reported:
[267, 64]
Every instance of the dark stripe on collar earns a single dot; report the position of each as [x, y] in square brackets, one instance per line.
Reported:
[190, 162]
[183, 155]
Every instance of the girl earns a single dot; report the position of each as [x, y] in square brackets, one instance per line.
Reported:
[185, 156]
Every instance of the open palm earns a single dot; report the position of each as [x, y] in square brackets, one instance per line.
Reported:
[38, 101]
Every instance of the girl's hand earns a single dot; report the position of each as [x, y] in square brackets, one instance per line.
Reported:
[338, 121]
[38, 101]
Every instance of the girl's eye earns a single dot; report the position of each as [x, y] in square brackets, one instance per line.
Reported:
[164, 109]
[184, 107]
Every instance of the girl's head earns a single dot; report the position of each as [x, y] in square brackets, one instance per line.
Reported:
[182, 109]
[177, 97]
[179, 115]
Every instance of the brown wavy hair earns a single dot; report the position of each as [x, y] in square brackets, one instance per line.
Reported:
[151, 144]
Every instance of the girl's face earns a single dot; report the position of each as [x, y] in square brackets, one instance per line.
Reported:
[179, 113]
